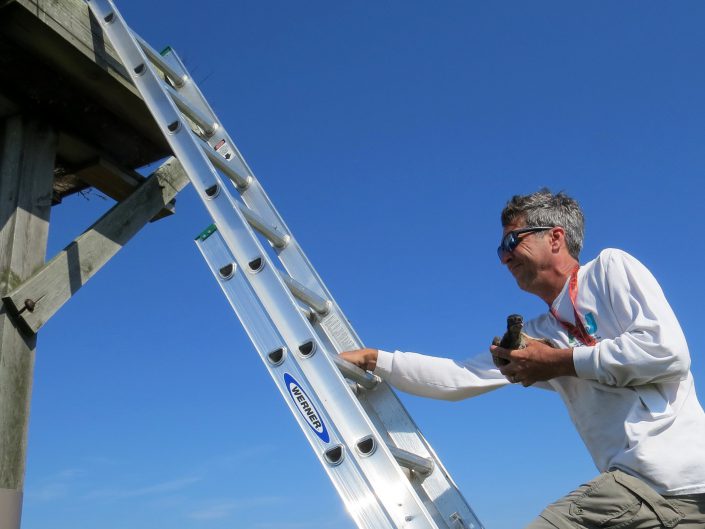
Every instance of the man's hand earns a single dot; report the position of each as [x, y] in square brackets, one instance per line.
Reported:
[537, 362]
[362, 358]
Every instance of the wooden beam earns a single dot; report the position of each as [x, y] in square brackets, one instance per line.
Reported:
[56, 63]
[36, 300]
[27, 150]
[115, 182]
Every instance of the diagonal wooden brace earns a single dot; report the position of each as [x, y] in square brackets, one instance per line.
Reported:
[38, 298]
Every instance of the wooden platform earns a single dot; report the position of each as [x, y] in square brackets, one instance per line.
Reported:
[55, 64]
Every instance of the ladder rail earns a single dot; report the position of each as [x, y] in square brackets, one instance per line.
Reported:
[400, 500]
[202, 153]
[348, 480]
[255, 197]
[382, 405]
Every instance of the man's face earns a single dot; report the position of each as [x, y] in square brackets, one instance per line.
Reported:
[530, 258]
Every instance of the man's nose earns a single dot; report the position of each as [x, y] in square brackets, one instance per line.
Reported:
[505, 257]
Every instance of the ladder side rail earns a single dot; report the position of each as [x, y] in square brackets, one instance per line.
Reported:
[342, 336]
[350, 483]
[346, 411]
[336, 326]
[383, 406]
[219, 141]
[439, 485]
[400, 499]
[254, 195]
[448, 505]
[342, 470]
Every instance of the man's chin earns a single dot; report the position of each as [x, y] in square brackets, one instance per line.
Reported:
[522, 283]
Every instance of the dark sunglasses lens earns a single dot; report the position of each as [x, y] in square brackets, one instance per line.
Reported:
[509, 243]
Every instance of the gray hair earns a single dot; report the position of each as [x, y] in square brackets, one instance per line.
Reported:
[543, 208]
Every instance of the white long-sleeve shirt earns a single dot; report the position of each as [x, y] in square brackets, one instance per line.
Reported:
[633, 401]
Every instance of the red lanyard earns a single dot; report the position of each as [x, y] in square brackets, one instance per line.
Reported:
[578, 330]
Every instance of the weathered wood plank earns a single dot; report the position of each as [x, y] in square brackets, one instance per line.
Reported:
[70, 20]
[38, 299]
[116, 182]
[55, 62]
[27, 149]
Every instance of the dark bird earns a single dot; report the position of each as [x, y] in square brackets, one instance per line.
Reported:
[512, 339]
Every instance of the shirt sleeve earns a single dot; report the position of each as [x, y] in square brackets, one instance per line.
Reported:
[439, 378]
[651, 347]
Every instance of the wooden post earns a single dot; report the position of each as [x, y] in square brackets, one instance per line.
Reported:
[38, 298]
[27, 151]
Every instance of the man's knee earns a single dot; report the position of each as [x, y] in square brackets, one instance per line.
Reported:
[613, 499]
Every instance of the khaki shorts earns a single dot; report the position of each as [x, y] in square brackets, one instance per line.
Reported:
[615, 500]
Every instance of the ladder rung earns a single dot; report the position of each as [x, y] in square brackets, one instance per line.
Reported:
[269, 231]
[421, 465]
[208, 125]
[354, 373]
[242, 182]
[309, 314]
[306, 295]
[157, 60]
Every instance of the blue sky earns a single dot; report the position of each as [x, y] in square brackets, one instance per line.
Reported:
[389, 135]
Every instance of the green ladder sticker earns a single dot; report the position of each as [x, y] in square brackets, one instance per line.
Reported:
[210, 230]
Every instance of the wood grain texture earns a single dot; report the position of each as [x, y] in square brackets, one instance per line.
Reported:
[27, 150]
[37, 299]
[56, 63]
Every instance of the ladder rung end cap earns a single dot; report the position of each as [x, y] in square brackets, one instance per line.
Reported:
[247, 181]
[284, 242]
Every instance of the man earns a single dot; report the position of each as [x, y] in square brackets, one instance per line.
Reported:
[621, 366]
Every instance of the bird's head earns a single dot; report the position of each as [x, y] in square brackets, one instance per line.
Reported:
[515, 322]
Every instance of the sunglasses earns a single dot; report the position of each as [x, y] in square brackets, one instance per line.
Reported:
[511, 240]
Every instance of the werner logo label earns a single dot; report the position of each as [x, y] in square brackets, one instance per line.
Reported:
[306, 408]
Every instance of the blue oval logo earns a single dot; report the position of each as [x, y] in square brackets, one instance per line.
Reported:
[306, 408]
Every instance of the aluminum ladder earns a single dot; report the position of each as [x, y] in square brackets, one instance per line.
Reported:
[384, 470]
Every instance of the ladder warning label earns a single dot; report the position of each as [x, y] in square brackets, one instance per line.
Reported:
[223, 149]
[338, 333]
[306, 408]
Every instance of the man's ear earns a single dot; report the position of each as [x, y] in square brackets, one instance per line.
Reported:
[557, 238]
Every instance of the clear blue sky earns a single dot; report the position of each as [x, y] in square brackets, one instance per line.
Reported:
[389, 135]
